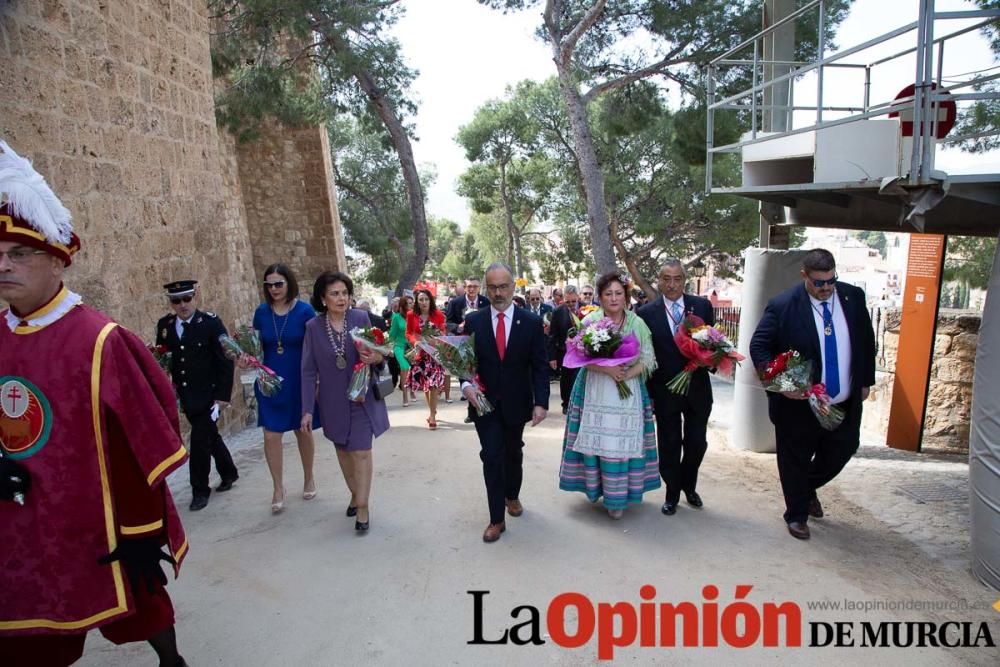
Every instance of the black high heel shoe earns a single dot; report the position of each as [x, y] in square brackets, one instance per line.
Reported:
[351, 510]
[361, 527]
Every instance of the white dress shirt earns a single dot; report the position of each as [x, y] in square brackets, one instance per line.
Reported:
[508, 321]
[669, 305]
[843, 343]
[179, 326]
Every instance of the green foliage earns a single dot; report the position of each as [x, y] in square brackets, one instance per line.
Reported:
[874, 240]
[373, 208]
[969, 259]
[273, 64]
[462, 259]
[511, 177]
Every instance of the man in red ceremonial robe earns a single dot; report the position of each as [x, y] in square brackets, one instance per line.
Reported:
[88, 435]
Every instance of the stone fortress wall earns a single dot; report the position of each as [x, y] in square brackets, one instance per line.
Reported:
[113, 102]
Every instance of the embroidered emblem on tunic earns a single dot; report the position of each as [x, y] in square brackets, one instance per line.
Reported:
[25, 417]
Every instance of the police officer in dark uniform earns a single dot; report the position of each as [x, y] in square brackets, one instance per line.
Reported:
[203, 379]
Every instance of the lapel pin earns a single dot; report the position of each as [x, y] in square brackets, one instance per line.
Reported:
[517, 321]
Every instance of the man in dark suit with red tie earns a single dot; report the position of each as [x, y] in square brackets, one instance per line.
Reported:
[513, 368]
[827, 322]
[681, 421]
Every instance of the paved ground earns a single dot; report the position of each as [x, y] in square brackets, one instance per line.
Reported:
[302, 588]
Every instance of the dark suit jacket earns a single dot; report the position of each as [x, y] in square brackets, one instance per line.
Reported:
[543, 309]
[378, 321]
[561, 328]
[521, 380]
[200, 370]
[669, 359]
[456, 311]
[788, 324]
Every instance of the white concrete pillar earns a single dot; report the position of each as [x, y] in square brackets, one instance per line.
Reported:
[767, 273]
[984, 441]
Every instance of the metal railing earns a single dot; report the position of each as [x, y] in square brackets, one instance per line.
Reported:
[929, 91]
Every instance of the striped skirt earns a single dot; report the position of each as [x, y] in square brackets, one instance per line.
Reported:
[620, 481]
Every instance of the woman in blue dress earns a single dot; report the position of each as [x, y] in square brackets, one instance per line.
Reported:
[281, 322]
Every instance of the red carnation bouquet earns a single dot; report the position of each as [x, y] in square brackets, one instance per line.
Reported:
[789, 372]
[163, 356]
[703, 346]
[373, 339]
[457, 355]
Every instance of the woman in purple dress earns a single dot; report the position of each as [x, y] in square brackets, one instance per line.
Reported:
[328, 359]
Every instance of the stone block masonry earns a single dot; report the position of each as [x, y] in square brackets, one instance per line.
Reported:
[113, 102]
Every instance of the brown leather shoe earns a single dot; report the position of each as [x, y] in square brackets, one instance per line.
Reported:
[815, 508]
[799, 530]
[514, 507]
[492, 532]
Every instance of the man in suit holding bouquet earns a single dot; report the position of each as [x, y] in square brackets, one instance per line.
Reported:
[681, 421]
[826, 322]
[512, 366]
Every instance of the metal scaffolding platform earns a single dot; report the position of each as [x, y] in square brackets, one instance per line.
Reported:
[806, 174]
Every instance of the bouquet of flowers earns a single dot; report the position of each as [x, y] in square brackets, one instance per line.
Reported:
[427, 330]
[602, 343]
[249, 339]
[704, 347]
[790, 372]
[546, 322]
[457, 355]
[361, 377]
[371, 338]
[586, 310]
[163, 356]
[268, 381]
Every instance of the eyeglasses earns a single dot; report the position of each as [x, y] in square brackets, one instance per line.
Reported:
[177, 299]
[21, 255]
[818, 284]
[277, 284]
[535, 298]
[587, 293]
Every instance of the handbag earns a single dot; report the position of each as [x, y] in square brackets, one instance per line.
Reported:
[383, 387]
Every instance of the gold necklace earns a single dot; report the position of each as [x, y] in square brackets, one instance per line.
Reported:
[274, 321]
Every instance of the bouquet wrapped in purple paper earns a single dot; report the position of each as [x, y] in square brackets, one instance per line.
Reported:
[602, 343]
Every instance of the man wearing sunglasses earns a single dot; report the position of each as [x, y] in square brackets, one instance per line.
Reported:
[203, 379]
[827, 322]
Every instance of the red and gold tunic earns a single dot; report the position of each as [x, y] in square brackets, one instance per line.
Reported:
[87, 410]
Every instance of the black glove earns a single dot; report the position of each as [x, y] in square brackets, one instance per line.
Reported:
[141, 559]
[14, 479]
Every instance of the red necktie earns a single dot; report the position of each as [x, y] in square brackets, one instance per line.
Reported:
[501, 336]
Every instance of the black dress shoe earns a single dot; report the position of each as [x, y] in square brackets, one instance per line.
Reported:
[361, 526]
[226, 484]
[669, 508]
[815, 508]
[198, 503]
[799, 530]
[351, 510]
[694, 500]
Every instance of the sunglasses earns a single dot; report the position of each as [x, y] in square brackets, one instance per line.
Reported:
[278, 284]
[823, 283]
[177, 299]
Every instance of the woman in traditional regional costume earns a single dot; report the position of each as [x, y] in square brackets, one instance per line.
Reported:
[609, 446]
[426, 375]
[397, 333]
[328, 360]
[281, 323]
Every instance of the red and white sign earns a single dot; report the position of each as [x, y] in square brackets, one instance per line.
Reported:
[947, 112]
